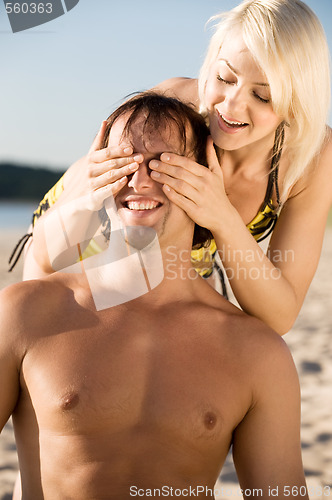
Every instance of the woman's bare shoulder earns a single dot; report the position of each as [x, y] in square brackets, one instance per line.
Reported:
[318, 178]
[326, 153]
[182, 88]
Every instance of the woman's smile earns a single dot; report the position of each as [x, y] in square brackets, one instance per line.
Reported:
[230, 126]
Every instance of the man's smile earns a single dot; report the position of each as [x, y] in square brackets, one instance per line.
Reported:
[140, 206]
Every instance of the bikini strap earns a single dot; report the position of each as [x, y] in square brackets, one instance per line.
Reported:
[18, 249]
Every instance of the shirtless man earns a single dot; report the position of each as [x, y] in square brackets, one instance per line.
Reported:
[149, 394]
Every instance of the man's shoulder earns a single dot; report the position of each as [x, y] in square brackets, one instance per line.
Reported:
[256, 335]
[256, 355]
[262, 352]
[29, 291]
[249, 337]
[26, 304]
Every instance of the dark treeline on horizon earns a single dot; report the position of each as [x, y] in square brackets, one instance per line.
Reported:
[25, 183]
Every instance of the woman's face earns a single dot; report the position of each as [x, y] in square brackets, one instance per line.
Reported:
[238, 99]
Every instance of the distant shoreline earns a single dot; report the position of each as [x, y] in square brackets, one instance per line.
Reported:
[19, 182]
[20, 200]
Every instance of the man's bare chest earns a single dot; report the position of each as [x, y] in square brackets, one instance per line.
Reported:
[126, 377]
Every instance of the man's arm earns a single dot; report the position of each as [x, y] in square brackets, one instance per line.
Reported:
[266, 444]
[9, 349]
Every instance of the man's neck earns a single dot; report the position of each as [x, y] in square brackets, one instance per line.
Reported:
[158, 272]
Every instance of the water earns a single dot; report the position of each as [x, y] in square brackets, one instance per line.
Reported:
[16, 214]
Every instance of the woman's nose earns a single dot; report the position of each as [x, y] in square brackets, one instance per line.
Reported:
[235, 100]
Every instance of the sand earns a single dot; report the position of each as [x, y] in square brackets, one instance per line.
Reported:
[311, 346]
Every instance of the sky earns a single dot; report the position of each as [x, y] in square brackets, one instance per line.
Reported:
[61, 79]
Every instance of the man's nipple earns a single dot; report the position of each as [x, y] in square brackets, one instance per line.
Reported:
[69, 401]
[210, 420]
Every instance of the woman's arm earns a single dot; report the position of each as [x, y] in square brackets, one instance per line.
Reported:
[73, 219]
[184, 89]
[31, 269]
[273, 287]
[270, 287]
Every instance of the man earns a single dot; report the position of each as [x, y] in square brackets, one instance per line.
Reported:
[145, 398]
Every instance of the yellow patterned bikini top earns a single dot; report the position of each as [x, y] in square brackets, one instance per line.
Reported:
[260, 227]
[202, 258]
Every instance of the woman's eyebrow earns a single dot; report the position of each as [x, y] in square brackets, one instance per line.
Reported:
[229, 65]
[237, 73]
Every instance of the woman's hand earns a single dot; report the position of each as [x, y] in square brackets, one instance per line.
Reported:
[101, 173]
[74, 218]
[198, 190]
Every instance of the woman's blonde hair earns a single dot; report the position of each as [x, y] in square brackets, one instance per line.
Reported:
[288, 42]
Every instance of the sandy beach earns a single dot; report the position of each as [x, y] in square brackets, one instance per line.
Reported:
[311, 346]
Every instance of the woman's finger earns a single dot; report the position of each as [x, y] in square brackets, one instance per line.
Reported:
[180, 186]
[161, 172]
[184, 162]
[96, 169]
[185, 182]
[98, 140]
[182, 202]
[113, 175]
[100, 195]
[105, 154]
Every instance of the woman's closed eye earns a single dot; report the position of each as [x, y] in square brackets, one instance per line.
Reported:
[221, 79]
[266, 100]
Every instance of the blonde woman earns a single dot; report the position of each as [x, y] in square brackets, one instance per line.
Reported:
[265, 90]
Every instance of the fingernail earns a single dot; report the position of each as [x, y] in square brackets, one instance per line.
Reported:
[123, 180]
[155, 174]
[165, 157]
[167, 188]
[138, 158]
[154, 164]
[128, 150]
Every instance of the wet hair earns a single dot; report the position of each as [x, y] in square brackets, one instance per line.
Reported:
[160, 115]
[288, 43]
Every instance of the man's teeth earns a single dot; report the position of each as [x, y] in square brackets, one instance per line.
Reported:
[139, 205]
[238, 124]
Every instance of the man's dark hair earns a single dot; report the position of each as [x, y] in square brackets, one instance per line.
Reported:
[161, 113]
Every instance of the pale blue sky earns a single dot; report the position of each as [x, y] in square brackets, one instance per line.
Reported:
[58, 81]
